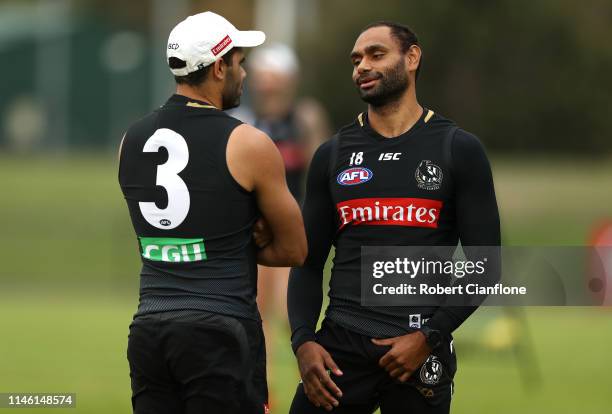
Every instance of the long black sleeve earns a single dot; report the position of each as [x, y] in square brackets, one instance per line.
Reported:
[476, 214]
[305, 292]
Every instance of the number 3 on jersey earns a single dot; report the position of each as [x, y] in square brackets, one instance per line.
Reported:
[167, 176]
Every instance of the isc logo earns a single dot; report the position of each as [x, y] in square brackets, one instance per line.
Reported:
[389, 156]
[354, 176]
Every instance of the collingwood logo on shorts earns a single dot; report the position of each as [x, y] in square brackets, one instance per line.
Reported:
[431, 371]
[428, 175]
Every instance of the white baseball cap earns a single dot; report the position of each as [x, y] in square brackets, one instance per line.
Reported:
[201, 39]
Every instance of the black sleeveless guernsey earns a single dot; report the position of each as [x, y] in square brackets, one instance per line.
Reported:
[193, 221]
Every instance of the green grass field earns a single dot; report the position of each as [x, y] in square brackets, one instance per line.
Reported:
[68, 289]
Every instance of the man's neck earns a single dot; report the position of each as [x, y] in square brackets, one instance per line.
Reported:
[396, 117]
[200, 94]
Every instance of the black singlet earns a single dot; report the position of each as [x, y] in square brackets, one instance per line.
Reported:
[192, 219]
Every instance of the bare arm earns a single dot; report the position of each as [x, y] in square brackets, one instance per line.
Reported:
[256, 164]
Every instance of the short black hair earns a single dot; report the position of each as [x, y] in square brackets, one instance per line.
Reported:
[403, 34]
[197, 77]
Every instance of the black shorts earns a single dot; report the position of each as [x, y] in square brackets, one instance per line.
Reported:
[195, 362]
[366, 386]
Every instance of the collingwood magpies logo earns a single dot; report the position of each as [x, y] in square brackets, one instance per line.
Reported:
[428, 175]
[431, 371]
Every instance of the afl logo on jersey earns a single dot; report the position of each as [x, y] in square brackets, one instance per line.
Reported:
[428, 175]
[354, 176]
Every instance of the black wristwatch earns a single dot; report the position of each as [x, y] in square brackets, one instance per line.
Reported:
[433, 337]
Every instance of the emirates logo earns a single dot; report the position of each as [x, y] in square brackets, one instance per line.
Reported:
[411, 212]
[219, 47]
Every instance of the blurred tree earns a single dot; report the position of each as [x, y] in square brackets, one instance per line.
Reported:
[524, 76]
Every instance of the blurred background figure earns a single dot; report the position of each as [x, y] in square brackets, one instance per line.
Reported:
[297, 126]
[599, 273]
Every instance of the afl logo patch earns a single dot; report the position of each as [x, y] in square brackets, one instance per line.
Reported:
[428, 175]
[354, 176]
[431, 371]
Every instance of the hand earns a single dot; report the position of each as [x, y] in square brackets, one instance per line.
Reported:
[407, 353]
[261, 233]
[313, 361]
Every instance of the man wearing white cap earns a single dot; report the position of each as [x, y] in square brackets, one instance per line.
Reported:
[208, 199]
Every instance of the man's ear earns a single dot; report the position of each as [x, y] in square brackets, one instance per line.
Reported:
[413, 57]
[219, 69]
